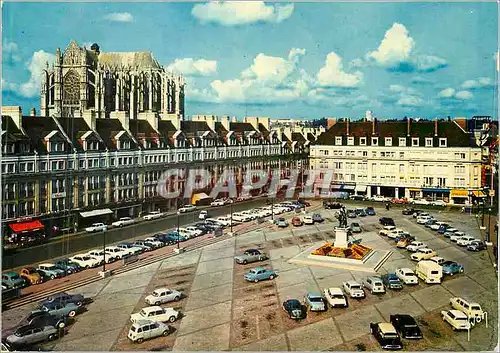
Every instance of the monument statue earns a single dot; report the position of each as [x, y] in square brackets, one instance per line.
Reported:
[342, 218]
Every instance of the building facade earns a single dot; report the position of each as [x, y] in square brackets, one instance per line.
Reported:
[435, 160]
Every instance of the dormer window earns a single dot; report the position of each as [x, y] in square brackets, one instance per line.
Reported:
[414, 142]
[388, 141]
[374, 141]
[402, 142]
[428, 142]
[362, 141]
[338, 140]
[124, 145]
[350, 141]
[56, 146]
[442, 142]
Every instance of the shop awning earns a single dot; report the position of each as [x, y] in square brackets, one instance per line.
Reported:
[336, 186]
[414, 189]
[435, 190]
[361, 188]
[94, 213]
[198, 197]
[348, 187]
[26, 226]
[459, 193]
[478, 193]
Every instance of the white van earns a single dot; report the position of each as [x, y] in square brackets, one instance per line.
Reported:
[429, 271]
[374, 284]
[469, 309]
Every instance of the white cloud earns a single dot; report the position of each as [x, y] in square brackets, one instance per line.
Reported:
[410, 101]
[9, 86]
[446, 93]
[231, 13]
[191, 67]
[464, 95]
[481, 82]
[403, 89]
[35, 66]
[333, 74]
[271, 68]
[395, 52]
[119, 17]
[295, 54]
[10, 52]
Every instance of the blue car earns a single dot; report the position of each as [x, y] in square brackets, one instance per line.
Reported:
[429, 223]
[282, 223]
[452, 267]
[370, 211]
[259, 273]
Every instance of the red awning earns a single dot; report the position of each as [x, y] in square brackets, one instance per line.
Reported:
[26, 226]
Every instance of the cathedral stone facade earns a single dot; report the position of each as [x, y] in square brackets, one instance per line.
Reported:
[89, 83]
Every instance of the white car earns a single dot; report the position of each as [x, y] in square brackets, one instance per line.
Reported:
[99, 255]
[466, 240]
[240, 217]
[203, 215]
[423, 219]
[146, 329]
[379, 198]
[183, 232]
[423, 254]
[85, 261]
[452, 230]
[187, 208]
[436, 225]
[117, 252]
[437, 259]
[420, 202]
[155, 313]
[124, 221]
[353, 289]
[218, 202]
[415, 245]
[335, 297]
[97, 227]
[153, 215]
[308, 219]
[386, 230]
[457, 235]
[407, 276]
[156, 243]
[225, 221]
[194, 230]
[395, 233]
[250, 214]
[163, 295]
[457, 319]
[438, 203]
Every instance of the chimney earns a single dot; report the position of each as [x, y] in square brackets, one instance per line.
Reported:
[16, 114]
[373, 126]
[254, 121]
[408, 122]
[32, 112]
[331, 122]
[436, 127]
[347, 127]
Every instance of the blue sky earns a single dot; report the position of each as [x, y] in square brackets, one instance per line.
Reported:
[278, 59]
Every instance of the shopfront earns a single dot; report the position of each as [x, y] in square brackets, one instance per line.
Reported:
[433, 194]
[360, 189]
[24, 233]
[459, 196]
[415, 193]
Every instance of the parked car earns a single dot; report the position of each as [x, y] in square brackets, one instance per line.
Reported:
[147, 329]
[12, 279]
[102, 256]
[198, 232]
[370, 211]
[437, 225]
[163, 295]
[430, 223]
[448, 234]
[140, 243]
[420, 202]
[454, 238]
[379, 198]
[28, 335]
[296, 221]
[360, 212]
[438, 203]
[395, 233]
[429, 271]
[86, 261]
[408, 211]
[392, 281]
[466, 240]
[317, 217]
[457, 319]
[403, 242]
[187, 208]
[308, 219]
[155, 313]
[31, 275]
[401, 201]
[423, 219]
[43, 319]
[451, 267]
[406, 326]
[131, 247]
[335, 297]
[332, 205]
[63, 297]
[294, 309]
[51, 271]
[203, 215]
[96, 227]
[355, 227]
[67, 266]
[217, 202]
[477, 246]
[282, 223]
[415, 245]
[118, 253]
[386, 229]
[374, 284]
[423, 254]
[386, 335]
[153, 215]
[58, 308]
[357, 197]
[258, 274]
[353, 289]
[407, 276]
[451, 229]
[404, 236]
[250, 255]
[351, 214]
[386, 221]
[315, 301]
[154, 242]
[437, 259]
[124, 221]
[471, 309]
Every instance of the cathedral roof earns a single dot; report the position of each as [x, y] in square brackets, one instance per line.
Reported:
[143, 60]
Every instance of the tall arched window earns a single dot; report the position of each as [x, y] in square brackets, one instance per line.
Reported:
[71, 88]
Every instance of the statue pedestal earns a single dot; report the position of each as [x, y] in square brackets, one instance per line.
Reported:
[341, 237]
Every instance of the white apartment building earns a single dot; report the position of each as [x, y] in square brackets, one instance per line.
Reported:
[400, 159]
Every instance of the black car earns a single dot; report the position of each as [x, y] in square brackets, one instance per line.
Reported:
[42, 319]
[416, 213]
[386, 221]
[370, 211]
[203, 227]
[406, 326]
[476, 246]
[386, 335]
[63, 297]
[357, 197]
[295, 309]
[332, 205]
[408, 211]
[164, 238]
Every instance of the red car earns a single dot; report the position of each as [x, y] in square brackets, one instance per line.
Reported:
[296, 221]
[399, 201]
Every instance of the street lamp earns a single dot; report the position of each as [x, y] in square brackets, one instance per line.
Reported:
[231, 210]
[489, 226]
[104, 250]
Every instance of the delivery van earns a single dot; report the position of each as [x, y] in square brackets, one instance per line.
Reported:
[429, 271]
